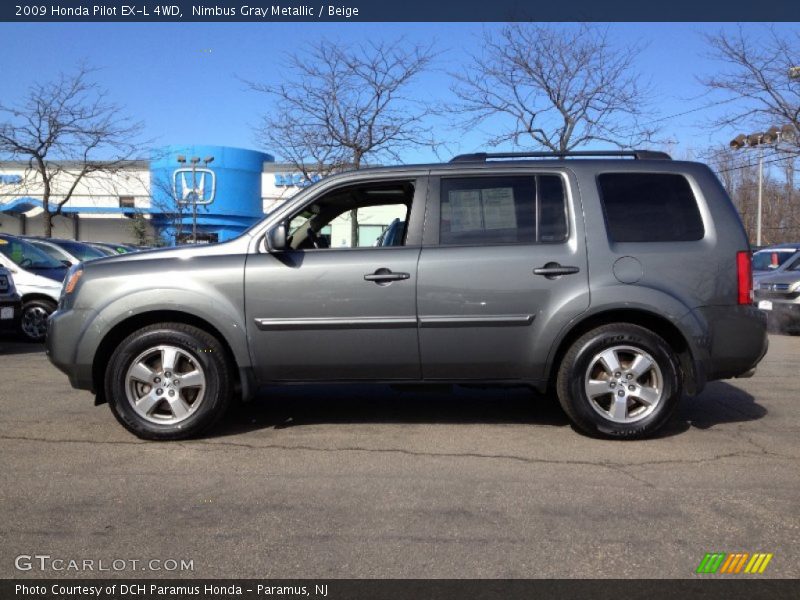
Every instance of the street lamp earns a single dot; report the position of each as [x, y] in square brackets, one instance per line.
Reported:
[194, 162]
[758, 140]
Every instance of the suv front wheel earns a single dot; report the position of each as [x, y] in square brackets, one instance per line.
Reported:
[619, 380]
[168, 381]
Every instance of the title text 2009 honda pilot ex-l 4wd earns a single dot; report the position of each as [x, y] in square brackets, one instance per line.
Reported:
[616, 282]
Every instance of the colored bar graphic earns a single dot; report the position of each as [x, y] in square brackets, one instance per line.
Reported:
[711, 562]
[758, 563]
[733, 563]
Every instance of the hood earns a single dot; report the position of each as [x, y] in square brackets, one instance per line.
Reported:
[57, 274]
[235, 246]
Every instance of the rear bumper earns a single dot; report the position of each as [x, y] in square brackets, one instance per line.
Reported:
[736, 341]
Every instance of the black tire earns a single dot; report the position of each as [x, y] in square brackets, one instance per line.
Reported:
[198, 351]
[592, 417]
[33, 319]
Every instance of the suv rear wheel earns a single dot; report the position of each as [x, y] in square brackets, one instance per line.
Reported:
[168, 381]
[619, 380]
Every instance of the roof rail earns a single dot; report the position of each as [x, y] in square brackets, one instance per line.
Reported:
[637, 154]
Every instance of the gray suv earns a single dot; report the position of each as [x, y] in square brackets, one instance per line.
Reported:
[619, 281]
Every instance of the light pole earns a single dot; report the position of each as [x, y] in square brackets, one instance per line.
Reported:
[194, 161]
[758, 140]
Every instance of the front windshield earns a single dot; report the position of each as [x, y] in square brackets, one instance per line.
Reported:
[27, 256]
[52, 251]
[769, 260]
[80, 251]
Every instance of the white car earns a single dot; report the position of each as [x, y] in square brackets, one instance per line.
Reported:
[38, 279]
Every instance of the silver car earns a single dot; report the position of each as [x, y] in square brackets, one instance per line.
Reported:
[773, 259]
[778, 294]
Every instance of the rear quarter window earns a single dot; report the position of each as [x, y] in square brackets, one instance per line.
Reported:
[649, 207]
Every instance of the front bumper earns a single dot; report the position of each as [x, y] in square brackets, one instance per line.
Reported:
[64, 333]
[781, 310]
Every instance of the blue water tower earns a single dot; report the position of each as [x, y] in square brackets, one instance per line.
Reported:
[222, 184]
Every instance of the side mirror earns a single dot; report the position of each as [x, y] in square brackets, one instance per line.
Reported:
[66, 263]
[277, 238]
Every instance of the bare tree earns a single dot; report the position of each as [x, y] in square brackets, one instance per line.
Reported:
[171, 210]
[755, 80]
[739, 176]
[557, 88]
[66, 129]
[342, 107]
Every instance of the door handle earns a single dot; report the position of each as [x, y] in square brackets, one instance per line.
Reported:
[552, 270]
[386, 276]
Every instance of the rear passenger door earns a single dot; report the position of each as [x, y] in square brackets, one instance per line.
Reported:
[502, 269]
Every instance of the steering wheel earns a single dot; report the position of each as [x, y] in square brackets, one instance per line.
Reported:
[25, 262]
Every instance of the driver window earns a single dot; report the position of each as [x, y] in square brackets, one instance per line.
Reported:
[360, 216]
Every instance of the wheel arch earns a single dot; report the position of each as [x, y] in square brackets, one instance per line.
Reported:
[38, 296]
[668, 330]
[126, 327]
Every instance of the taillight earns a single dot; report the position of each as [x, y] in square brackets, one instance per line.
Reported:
[744, 272]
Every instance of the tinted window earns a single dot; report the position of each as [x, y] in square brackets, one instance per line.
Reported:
[27, 256]
[649, 207]
[51, 251]
[81, 251]
[502, 210]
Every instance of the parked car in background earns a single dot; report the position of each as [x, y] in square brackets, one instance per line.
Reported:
[770, 259]
[53, 251]
[10, 302]
[618, 280]
[75, 250]
[113, 249]
[778, 294]
[38, 279]
[105, 250]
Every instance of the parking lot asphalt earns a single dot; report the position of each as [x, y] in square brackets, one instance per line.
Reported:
[361, 481]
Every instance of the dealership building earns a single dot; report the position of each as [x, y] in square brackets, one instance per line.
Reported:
[230, 188]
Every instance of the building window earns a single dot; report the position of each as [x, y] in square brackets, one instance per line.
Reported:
[127, 202]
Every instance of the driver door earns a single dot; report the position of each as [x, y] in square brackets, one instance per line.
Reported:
[334, 306]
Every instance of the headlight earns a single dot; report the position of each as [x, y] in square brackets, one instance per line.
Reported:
[795, 286]
[73, 276]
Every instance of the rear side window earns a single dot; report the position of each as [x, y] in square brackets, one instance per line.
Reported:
[502, 210]
[649, 207]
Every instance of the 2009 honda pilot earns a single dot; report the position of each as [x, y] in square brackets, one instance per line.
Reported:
[619, 281]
